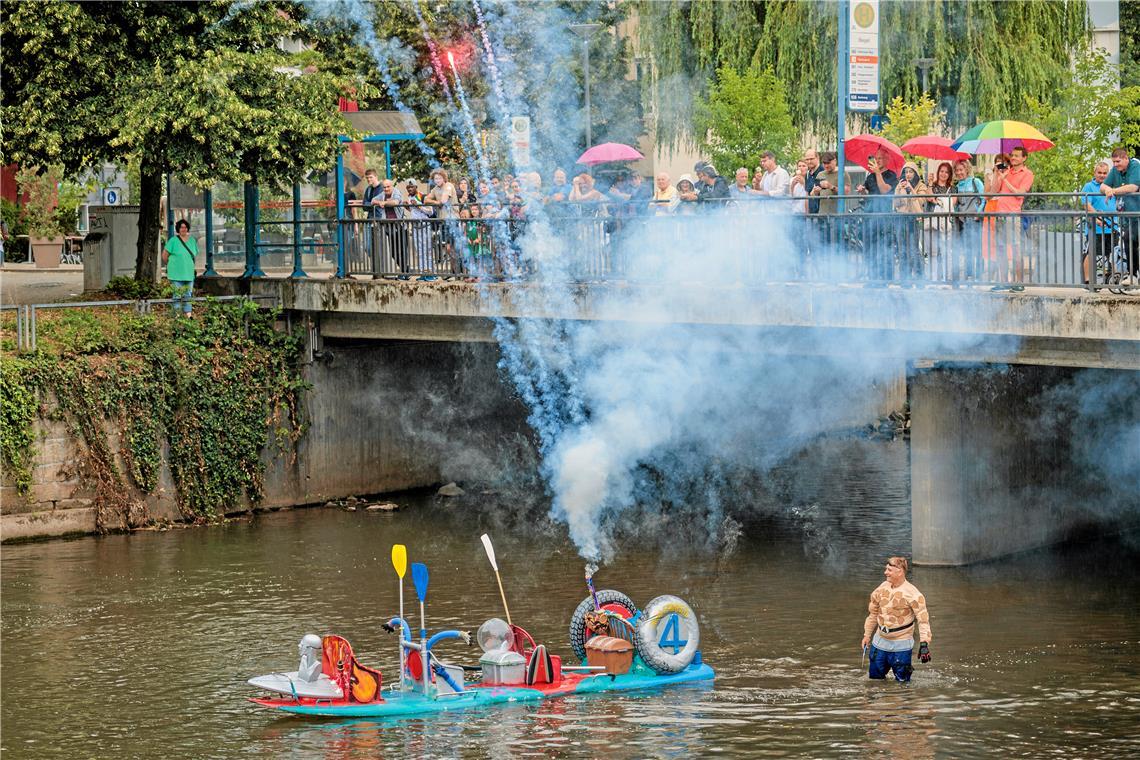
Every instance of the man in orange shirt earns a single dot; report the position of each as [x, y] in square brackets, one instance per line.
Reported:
[1014, 177]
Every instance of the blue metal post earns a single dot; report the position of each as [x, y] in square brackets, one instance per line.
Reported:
[388, 159]
[339, 215]
[297, 270]
[247, 208]
[843, 57]
[208, 202]
[255, 262]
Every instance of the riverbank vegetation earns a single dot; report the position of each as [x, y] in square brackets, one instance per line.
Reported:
[207, 396]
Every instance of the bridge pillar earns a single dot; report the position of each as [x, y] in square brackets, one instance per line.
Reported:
[1005, 459]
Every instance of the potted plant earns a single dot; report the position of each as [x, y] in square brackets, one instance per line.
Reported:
[40, 192]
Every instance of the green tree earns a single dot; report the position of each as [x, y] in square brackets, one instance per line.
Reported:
[987, 55]
[906, 120]
[745, 115]
[201, 89]
[1084, 121]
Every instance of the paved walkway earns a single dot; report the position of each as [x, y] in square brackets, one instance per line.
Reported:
[24, 283]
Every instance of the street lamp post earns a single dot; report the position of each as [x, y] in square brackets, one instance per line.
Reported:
[924, 64]
[586, 31]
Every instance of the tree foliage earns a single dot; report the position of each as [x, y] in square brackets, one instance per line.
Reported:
[1130, 43]
[745, 115]
[909, 120]
[1084, 121]
[988, 55]
[198, 88]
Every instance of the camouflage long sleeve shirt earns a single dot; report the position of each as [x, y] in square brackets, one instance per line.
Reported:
[893, 607]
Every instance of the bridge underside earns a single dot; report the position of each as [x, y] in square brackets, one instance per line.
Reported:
[992, 472]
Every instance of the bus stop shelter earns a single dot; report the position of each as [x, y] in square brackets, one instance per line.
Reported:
[384, 127]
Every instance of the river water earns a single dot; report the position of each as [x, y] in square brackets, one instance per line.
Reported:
[136, 646]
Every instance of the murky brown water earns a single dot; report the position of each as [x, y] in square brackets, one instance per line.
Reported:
[137, 646]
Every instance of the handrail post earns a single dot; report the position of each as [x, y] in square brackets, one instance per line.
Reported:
[297, 270]
[1090, 249]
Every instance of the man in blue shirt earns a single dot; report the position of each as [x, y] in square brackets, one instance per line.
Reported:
[560, 190]
[1101, 207]
[877, 244]
[1124, 182]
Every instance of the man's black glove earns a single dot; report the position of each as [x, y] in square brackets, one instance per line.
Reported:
[924, 652]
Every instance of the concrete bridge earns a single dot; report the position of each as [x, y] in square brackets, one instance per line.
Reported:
[1054, 327]
[984, 483]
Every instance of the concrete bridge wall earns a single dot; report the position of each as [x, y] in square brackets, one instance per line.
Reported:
[1008, 459]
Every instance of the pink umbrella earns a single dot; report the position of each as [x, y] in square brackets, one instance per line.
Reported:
[932, 146]
[861, 147]
[607, 152]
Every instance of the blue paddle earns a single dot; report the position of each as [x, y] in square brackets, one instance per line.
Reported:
[420, 581]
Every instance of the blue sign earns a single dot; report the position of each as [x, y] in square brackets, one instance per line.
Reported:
[111, 196]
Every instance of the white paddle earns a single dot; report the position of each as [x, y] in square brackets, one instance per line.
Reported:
[495, 565]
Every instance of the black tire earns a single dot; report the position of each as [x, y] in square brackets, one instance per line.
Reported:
[578, 633]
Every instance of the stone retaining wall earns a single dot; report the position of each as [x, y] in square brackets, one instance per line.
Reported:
[383, 417]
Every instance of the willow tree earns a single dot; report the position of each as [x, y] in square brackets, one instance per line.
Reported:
[989, 57]
[198, 88]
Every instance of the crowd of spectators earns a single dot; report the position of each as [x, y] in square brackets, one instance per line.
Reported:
[912, 223]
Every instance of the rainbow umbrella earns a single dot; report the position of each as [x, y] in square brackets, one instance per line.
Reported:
[994, 137]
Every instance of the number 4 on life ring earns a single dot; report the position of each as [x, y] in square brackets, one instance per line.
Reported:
[671, 636]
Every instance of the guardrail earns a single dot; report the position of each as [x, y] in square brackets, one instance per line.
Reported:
[26, 313]
[880, 242]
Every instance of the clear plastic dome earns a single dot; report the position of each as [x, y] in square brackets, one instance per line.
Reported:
[493, 634]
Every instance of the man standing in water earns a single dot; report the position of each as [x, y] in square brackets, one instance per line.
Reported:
[896, 607]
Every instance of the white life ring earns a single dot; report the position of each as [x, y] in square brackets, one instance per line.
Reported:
[657, 619]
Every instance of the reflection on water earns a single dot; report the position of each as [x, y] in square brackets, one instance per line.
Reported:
[133, 645]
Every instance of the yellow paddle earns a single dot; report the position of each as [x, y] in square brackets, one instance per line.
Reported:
[400, 563]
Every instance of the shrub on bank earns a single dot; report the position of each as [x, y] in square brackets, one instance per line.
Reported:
[216, 391]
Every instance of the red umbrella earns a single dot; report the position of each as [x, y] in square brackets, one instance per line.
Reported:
[932, 146]
[607, 152]
[861, 147]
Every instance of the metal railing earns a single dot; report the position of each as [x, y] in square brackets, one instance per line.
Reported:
[881, 240]
[26, 331]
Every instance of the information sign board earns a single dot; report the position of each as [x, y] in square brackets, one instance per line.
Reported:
[863, 62]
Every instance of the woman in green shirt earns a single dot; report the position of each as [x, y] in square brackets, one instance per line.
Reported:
[178, 256]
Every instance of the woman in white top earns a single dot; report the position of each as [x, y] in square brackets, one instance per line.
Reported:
[796, 188]
[441, 194]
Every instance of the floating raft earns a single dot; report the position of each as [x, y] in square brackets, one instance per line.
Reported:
[404, 703]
